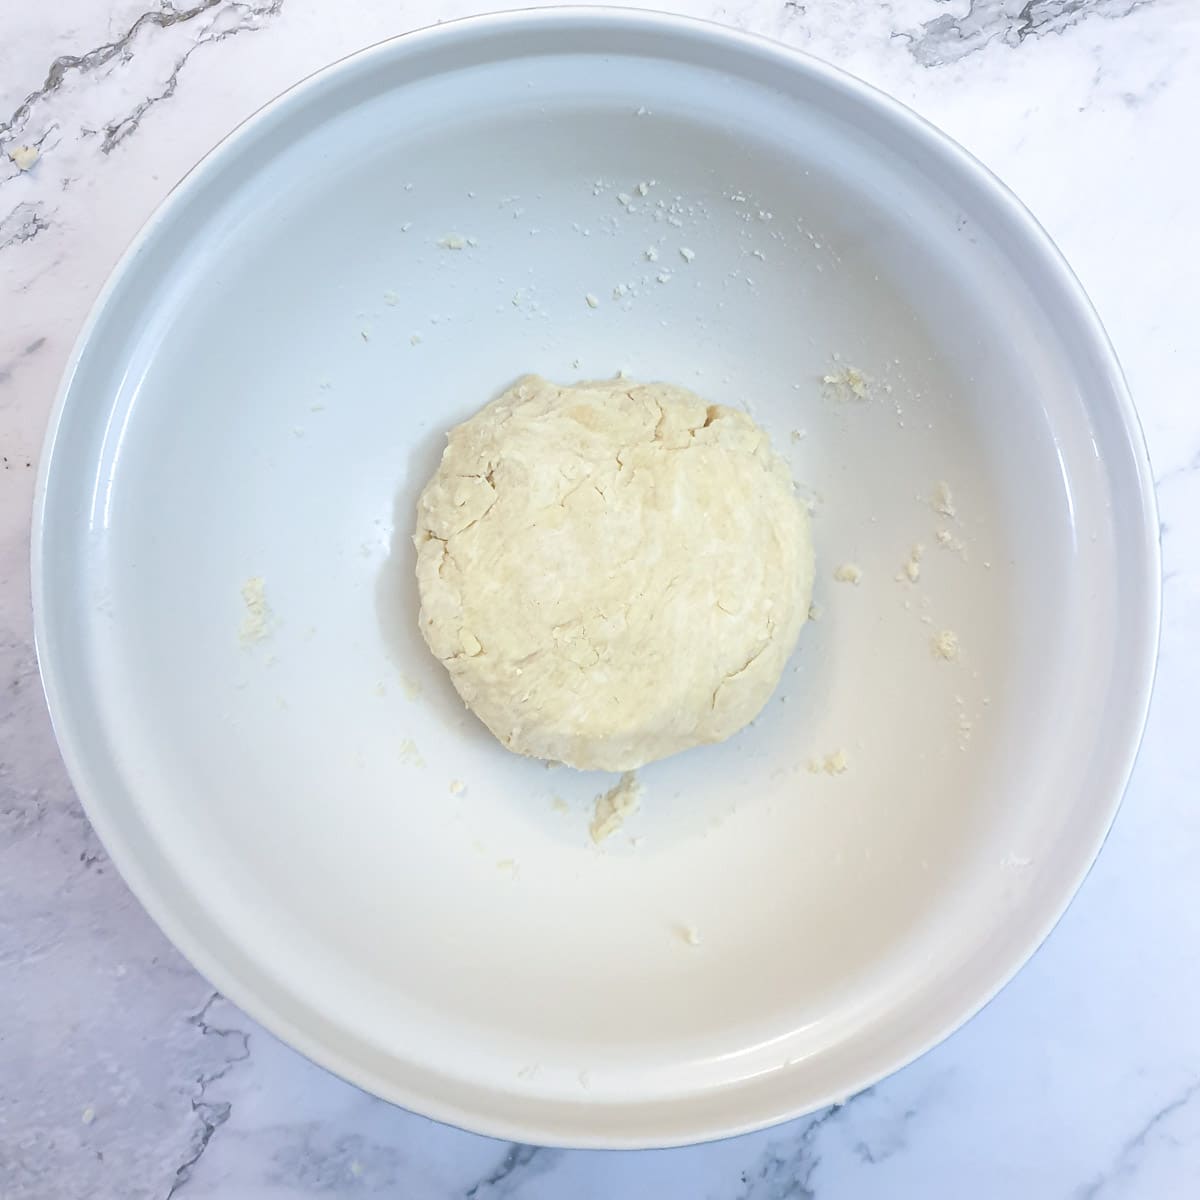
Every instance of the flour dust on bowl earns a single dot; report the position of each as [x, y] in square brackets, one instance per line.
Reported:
[226, 609]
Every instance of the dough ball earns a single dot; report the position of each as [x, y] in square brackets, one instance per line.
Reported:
[611, 572]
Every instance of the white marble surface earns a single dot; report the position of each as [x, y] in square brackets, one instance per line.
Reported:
[123, 1076]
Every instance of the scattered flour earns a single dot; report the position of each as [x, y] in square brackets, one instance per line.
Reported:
[945, 645]
[912, 569]
[849, 383]
[409, 754]
[256, 624]
[942, 500]
[834, 763]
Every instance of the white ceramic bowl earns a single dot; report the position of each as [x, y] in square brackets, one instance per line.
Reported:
[263, 388]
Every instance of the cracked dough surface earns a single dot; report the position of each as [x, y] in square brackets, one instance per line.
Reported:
[611, 572]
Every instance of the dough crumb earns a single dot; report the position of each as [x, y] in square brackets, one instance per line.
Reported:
[457, 787]
[1015, 862]
[689, 934]
[912, 569]
[559, 805]
[942, 501]
[814, 612]
[650, 254]
[452, 241]
[391, 298]
[257, 621]
[412, 687]
[834, 763]
[848, 383]
[848, 573]
[686, 254]
[88, 1115]
[947, 541]
[945, 645]
[613, 806]
[798, 435]
[23, 157]
[592, 302]
[409, 753]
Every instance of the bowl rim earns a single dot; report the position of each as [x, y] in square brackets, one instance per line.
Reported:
[1144, 641]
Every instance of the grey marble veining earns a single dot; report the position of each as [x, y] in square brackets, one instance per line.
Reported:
[122, 1075]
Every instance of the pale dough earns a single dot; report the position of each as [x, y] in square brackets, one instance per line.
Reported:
[611, 572]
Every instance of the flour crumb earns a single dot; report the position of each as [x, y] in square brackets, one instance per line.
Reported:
[452, 241]
[848, 573]
[848, 382]
[391, 298]
[912, 569]
[945, 645]
[613, 806]
[257, 621]
[409, 754]
[380, 690]
[23, 157]
[591, 300]
[514, 869]
[834, 763]
[947, 541]
[412, 687]
[559, 804]
[650, 254]
[457, 787]
[689, 934]
[686, 253]
[1015, 862]
[814, 611]
[942, 500]
[798, 435]
[89, 1114]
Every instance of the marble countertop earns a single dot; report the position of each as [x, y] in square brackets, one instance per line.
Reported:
[123, 1075]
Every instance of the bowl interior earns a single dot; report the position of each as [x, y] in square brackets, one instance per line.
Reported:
[313, 816]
